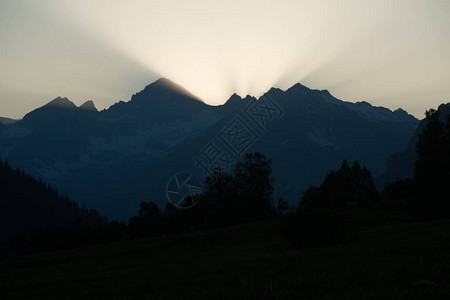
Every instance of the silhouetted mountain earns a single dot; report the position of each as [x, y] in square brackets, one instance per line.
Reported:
[7, 121]
[51, 110]
[160, 102]
[88, 105]
[60, 113]
[125, 154]
[27, 204]
[60, 102]
[235, 103]
[401, 164]
[72, 147]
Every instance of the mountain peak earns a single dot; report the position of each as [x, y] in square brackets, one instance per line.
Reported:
[236, 102]
[299, 87]
[54, 108]
[166, 85]
[249, 98]
[88, 105]
[275, 90]
[234, 97]
[61, 103]
[164, 82]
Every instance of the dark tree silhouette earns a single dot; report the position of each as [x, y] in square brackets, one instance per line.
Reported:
[218, 206]
[253, 182]
[319, 219]
[148, 222]
[432, 168]
[348, 186]
[29, 205]
[246, 196]
[399, 189]
[282, 206]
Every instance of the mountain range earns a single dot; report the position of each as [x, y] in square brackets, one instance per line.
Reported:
[116, 158]
[401, 164]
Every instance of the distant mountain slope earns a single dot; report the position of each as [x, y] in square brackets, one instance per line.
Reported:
[401, 164]
[27, 204]
[118, 157]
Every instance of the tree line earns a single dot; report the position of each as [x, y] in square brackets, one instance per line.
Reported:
[347, 199]
[29, 205]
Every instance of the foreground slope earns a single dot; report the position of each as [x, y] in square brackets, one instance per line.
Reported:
[251, 261]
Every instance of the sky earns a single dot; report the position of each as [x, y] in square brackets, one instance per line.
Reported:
[389, 53]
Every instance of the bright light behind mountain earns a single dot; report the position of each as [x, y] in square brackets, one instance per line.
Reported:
[391, 53]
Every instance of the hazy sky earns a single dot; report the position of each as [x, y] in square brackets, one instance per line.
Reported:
[389, 53]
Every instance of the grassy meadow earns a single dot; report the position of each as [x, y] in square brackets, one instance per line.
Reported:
[250, 261]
